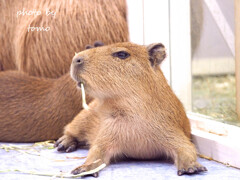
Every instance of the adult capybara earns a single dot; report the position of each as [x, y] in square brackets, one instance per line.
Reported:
[36, 109]
[75, 24]
[134, 114]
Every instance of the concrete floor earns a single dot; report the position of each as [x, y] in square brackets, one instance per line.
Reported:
[53, 162]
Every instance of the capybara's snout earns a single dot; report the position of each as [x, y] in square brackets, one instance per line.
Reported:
[76, 66]
[77, 61]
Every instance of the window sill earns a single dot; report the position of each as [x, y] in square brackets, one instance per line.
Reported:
[216, 140]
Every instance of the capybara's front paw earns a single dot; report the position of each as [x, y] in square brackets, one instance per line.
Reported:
[66, 143]
[90, 168]
[191, 168]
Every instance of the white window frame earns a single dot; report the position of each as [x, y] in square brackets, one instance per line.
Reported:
[152, 21]
[237, 53]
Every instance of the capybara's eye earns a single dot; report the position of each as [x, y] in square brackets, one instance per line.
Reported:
[121, 54]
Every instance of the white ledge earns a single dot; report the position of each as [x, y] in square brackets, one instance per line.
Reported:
[216, 140]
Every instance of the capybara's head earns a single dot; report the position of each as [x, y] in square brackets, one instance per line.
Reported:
[117, 69]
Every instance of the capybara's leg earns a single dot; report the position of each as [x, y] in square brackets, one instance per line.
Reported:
[185, 155]
[82, 128]
[186, 161]
[98, 155]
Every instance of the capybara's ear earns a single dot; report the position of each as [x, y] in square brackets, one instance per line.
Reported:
[88, 47]
[98, 43]
[157, 53]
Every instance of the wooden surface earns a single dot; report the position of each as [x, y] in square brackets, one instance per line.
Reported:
[237, 52]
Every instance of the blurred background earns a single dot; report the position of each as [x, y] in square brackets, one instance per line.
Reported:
[213, 63]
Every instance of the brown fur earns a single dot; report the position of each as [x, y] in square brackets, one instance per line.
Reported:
[33, 110]
[36, 109]
[77, 23]
[135, 113]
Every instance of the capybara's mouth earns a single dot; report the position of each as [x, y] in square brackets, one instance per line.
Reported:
[79, 84]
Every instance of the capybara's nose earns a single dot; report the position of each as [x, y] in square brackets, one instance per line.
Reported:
[77, 60]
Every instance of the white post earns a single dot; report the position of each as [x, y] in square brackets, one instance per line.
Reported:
[180, 48]
[156, 28]
[135, 21]
[168, 22]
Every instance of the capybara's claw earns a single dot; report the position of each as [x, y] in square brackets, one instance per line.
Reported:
[181, 172]
[202, 168]
[83, 169]
[66, 143]
[60, 147]
[95, 174]
[56, 144]
[89, 169]
[72, 147]
[191, 170]
[77, 171]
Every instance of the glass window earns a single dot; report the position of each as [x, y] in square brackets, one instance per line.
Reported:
[213, 63]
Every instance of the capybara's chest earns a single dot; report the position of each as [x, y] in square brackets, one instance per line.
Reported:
[136, 139]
